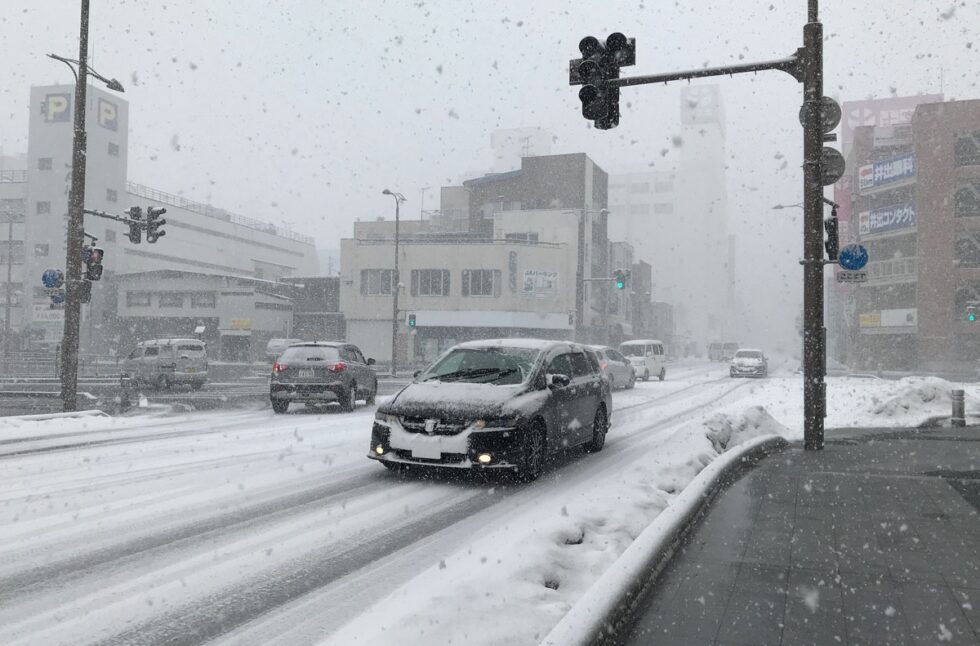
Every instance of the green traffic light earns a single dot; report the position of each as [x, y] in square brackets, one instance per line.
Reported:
[621, 284]
[971, 316]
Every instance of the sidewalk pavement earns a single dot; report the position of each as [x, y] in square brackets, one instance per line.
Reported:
[874, 540]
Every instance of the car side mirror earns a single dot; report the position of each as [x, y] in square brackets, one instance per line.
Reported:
[559, 381]
[370, 362]
[415, 375]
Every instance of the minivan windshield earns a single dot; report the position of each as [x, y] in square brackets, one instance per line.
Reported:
[310, 353]
[496, 365]
[633, 350]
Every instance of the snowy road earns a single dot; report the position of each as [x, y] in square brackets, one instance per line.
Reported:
[247, 527]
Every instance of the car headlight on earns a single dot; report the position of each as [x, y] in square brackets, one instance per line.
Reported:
[385, 418]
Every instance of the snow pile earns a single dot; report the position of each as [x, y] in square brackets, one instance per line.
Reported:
[726, 430]
[530, 565]
[920, 396]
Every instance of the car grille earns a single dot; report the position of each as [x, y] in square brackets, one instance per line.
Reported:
[417, 425]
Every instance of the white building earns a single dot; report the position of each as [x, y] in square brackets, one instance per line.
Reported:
[199, 237]
[521, 281]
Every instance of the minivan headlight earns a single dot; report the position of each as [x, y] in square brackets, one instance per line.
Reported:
[500, 422]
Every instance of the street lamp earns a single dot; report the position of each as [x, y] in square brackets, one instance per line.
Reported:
[399, 198]
[76, 206]
[786, 206]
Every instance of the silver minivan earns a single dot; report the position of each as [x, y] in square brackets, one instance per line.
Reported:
[163, 363]
[647, 356]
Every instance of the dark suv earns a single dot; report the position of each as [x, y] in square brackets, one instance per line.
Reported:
[501, 404]
[318, 373]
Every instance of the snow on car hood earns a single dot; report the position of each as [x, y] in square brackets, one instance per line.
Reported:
[460, 400]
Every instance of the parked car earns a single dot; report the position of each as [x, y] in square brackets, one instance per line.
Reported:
[164, 363]
[320, 373]
[616, 367]
[276, 347]
[647, 357]
[500, 404]
[749, 362]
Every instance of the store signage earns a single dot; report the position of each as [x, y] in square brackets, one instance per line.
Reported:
[894, 170]
[889, 218]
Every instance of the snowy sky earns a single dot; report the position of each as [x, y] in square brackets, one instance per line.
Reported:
[303, 111]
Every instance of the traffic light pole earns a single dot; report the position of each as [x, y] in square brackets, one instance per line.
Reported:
[806, 66]
[76, 229]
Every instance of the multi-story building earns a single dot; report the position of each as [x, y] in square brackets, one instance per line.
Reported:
[199, 237]
[524, 278]
[641, 205]
[916, 193]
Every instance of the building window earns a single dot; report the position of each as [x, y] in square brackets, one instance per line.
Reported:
[137, 299]
[642, 187]
[966, 200]
[12, 210]
[111, 195]
[171, 299]
[663, 187]
[43, 208]
[966, 150]
[11, 251]
[44, 163]
[113, 149]
[40, 249]
[377, 282]
[204, 300]
[110, 235]
[968, 249]
[639, 209]
[430, 282]
[663, 208]
[481, 282]
[522, 237]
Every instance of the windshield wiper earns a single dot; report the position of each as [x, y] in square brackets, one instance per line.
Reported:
[472, 372]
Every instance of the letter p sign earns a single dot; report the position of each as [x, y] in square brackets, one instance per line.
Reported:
[56, 107]
[107, 115]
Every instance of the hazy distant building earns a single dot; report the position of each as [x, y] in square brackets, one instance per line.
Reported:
[642, 210]
[694, 272]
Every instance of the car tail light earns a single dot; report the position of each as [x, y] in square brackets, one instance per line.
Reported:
[278, 367]
[340, 366]
[603, 364]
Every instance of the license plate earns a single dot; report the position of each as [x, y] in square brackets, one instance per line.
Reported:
[427, 451]
[307, 374]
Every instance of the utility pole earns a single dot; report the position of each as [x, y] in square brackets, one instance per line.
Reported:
[76, 228]
[814, 332]
[422, 204]
[10, 286]
[396, 282]
[598, 73]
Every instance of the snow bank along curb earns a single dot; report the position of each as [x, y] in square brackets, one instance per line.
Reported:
[598, 613]
[47, 416]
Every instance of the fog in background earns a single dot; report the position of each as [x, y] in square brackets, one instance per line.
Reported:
[302, 112]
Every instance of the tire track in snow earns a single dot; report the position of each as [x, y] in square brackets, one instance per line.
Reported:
[186, 535]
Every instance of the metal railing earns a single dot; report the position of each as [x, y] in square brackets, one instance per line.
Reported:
[207, 210]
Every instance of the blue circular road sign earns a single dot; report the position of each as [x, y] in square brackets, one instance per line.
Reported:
[57, 299]
[853, 257]
[52, 278]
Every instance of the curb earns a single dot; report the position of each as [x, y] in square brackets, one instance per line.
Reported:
[605, 608]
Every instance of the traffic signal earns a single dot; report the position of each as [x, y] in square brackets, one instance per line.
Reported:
[135, 234]
[621, 278]
[154, 222]
[600, 62]
[971, 313]
[832, 245]
[93, 263]
[411, 320]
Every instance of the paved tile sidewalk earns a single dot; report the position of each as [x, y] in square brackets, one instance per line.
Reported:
[874, 540]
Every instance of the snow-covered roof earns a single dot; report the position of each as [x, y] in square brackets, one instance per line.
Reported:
[532, 344]
[749, 350]
[640, 342]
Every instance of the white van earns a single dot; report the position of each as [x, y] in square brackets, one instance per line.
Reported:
[163, 363]
[647, 358]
